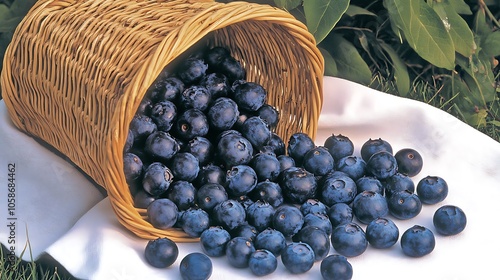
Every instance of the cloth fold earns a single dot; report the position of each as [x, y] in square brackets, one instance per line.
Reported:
[68, 218]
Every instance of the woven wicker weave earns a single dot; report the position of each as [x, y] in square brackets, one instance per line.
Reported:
[76, 71]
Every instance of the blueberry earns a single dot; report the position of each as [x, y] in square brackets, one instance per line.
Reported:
[157, 179]
[262, 262]
[217, 85]
[353, 166]
[196, 266]
[168, 89]
[132, 167]
[271, 240]
[183, 194]
[260, 214]
[191, 123]
[276, 144]
[213, 241]
[192, 70]
[340, 213]
[269, 114]
[449, 220]
[269, 192]
[256, 131]
[373, 146]
[349, 240]
[336, 267]
[185, 166]
[141, 126]
[339, 146]
[404, 205]
[194, 221]
[288, 219]
[382, 165]
[319, 220]
[266, 165]
[313, 205]
[163, 114]
[162, 213]
[215, 56]
[298, 257]
[409, 161]
[232, 69]
[245, 230]
[298, 145]
[398, 182]
[161, 146]
[210, 195]
[318, 161]
[382, 233]
[142, 199]
[161, 252]
[298, 185]
[316, 238]
[202, 148]
[417, 241]
[432, 189]
[368, 206]
[229, 214]
[195, 97]
[285, 162]
[238, 251]
[240, 180]
[211, 173]
[145, 107]
[234, 150]
[369, 183]
[129, 142]
[223, 114]
[337, 188]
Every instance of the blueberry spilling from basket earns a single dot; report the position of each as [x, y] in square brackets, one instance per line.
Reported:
[202, 156]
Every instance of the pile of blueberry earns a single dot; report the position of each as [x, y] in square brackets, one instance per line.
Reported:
[202, 156]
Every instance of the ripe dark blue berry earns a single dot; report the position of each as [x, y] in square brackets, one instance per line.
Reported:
[313, 206]
[266, 165]
[337, 188]
[432, 189]
[185, 166]
[409, 161]
[162, 213]
[336, 267]
[417, 241]
[318, 161]
[196, 266]
[316, 238]
[271, 240]
[269, 192]
[191, 123]
[368, 206]
[141, 127]
[234, 150]
[217, 85]
[382, 165]
[142, 199]
[349, 240]
[194, 221]
[161, 252]
[213, 241]
[245, 230]
[256, 131]
[229, 214]
[215, 56]
[288, 219]
[238, 251]
[339, 146]
[250, 96]
[211, 173]
[210, 195]
[298, 257]
[195, 97]
[369, 183]
[260, 214]
[161, 146]
[192, 70]
[276, 144]
[382, 233]
[353, 166]
[232, 69]
[319, 220]
[240, 180]
[298, 185]
[340, 213]
[183, 194]
[298, 145]
[168, 89]
[397, 183]
[132, 167]
[449, 220]
[269, 114]
[223, 114]
[404, 205]
[157, 179]
[262, 262]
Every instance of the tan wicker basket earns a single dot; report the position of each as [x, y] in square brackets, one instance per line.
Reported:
[76, 71]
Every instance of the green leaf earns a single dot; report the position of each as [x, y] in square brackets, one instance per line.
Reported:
[477, 74]
[476, 118]
[350, 64]
[400, 70]
[491, 44]
[459, 30]
[480, 26]
[423, 30]
[287, 4]
[459, 6]
[323, 15]
[330, 64]
[354, 10]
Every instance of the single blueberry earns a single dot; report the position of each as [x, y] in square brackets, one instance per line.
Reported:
[382, 233]
[316, 238]
[319, 220]
[142, 199]
[339, 146]
[298, 185]
[245, 230]
[210, 173]
[194, 221]
[417, 241]
[353, 166]
[250, 96]
[168, 89]
[238, 251]
[256, 131]
[141, 126]
[202, 148]
[213, 241]
[229, 214]
[262, 262]
[266, 165]
[369, 183]
[269, 114]
[318, 161]
[232, 69]
[161, 252]
[210, 195]
[185, 166]
[157, 179]
[195, 97]
[276, 144]
[285, 162]
[432, 189]
[132, 167]
[163, 114]
[349, 240]
[196, 266]
[368, 206]
[223, 114]
[288, 219]
[182, 193]
[240, 180]
[217, 85]
[234, 149]
[397, 183]
[269, 192]
[340, 213]
[337, 188]
[260, 214]
[373, 146]
[313, 206]
[298, 145]
[409, 161]
[272, 240]
[192, 70]
[298, 257]
[336, 267]
[404, 205]
[449, 220]
[162, 213]
[161, 146]
[382, 165]
[214, 56]
[191, 123]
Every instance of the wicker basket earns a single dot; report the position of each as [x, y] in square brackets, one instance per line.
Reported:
[76, 71]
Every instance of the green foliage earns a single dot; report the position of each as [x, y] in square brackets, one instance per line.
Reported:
[453, 46]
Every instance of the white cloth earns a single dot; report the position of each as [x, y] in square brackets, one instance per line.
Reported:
[51, 196]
